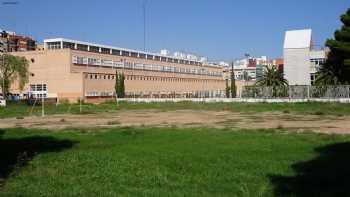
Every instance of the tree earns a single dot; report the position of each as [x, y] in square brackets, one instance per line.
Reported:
[13, 68]
[116, 85]
[227, 89]
[336, 69]
[119, 85]
[233, 82]
[272, 77]
[122, 85]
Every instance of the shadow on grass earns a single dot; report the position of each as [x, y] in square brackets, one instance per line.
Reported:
[326, 175]
[17, 152]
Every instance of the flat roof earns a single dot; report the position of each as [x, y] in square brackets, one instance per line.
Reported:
[298, 39]
[115, 48]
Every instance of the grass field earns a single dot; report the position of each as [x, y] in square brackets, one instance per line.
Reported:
[20, 110]
[173, 162]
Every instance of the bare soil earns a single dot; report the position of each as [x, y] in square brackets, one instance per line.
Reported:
[187, 118]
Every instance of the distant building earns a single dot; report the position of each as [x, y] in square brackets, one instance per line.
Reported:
[301, 60]
[70, 69]
[250, 68]
[10, 42]
[40, 47]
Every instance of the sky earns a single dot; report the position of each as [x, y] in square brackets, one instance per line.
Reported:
[219, 29]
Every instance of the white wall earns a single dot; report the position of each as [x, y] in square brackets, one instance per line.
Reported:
[297, 66]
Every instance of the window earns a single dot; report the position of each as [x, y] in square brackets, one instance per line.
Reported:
[81, 60]
[107, 63]
[54, 45]
[82, 47]
[115, 52]
[105, 51]
[118, 64]
[92, 61]
[125, 53]
[143, 56]
[133, 54]
[38, 90]
[68, 45]
[94, 49]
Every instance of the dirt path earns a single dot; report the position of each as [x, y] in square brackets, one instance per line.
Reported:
[188, 118]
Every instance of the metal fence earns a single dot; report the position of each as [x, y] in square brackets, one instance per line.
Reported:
[164, 94]
[296, 92]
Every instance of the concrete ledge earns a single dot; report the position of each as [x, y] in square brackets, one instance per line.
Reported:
[235, 100]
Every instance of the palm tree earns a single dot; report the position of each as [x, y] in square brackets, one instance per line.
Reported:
[272, 77]
[328, 75]
[13, 68]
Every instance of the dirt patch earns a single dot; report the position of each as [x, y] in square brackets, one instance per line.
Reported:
[188, 118]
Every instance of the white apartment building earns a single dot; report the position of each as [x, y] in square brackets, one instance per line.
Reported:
[301, 60]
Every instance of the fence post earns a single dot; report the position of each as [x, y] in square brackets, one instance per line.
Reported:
[289, 96]
[308, 92]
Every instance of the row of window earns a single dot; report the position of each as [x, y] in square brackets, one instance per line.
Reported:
[139, 66]
[95, 49]
[148, 78]
[318, 61]
[38, 90]
[99, 93]
[38, 87]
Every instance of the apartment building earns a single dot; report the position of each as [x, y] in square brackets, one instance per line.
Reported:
[70, 69]
[10, 42]
[301, 59]
[251, 68]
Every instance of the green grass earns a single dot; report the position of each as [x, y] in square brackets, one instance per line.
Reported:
[172, 162]
[20, 110]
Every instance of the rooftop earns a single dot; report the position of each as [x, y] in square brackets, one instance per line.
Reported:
[55, 40]
[298, 39]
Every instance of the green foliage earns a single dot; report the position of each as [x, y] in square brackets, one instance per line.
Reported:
[116, 85]
[120, 84]
[274, 78]
[159, 161]
[19, 109]
[13, 68]
[336, 70]
[233, 82]
[227, 89]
